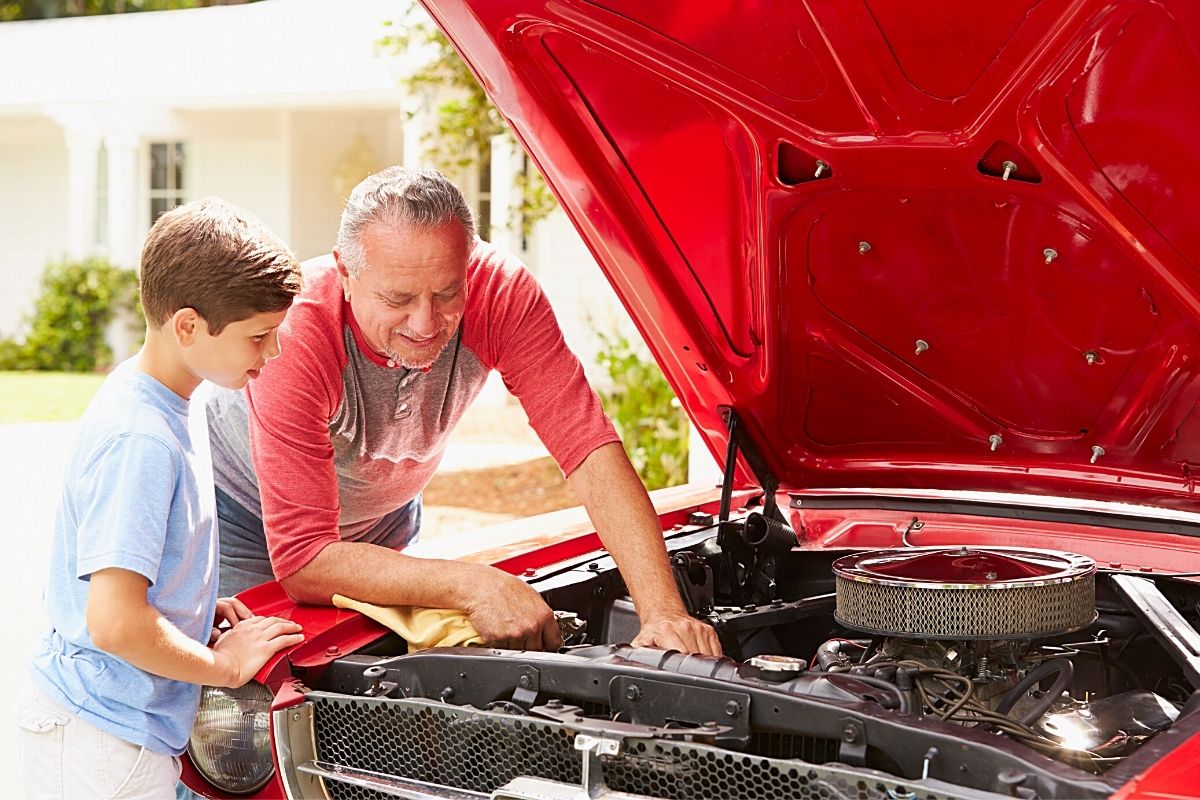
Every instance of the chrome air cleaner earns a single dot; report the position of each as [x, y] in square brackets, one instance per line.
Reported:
[965, 592]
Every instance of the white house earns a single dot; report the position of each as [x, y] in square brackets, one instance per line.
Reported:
[280, 106]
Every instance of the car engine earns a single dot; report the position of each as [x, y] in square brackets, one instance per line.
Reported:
[901, 673]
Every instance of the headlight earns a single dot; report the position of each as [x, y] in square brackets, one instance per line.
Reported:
[231, 740]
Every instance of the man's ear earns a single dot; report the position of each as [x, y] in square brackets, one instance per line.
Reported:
[186, 324]
[343, 274]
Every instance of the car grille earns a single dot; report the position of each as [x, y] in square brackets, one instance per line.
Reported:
[482, 751]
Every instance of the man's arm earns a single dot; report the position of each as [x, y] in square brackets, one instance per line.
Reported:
[504, 610]
[620, 509]
[122, 622]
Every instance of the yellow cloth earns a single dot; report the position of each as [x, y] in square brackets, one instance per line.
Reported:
[421, 627]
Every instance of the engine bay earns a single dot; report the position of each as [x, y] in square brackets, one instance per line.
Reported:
[953, 671]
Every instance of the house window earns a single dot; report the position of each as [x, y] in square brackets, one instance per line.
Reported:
[167, 170]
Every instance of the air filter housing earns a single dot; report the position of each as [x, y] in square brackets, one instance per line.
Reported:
[965, 593]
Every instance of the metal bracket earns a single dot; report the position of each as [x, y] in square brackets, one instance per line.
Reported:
[528, 685]
[573, 718]
[651, 702]
[593, 747]
[853, 750]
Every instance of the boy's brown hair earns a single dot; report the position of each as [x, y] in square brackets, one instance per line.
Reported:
[214, 257]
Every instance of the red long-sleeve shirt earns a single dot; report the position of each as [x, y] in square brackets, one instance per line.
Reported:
[339, 437]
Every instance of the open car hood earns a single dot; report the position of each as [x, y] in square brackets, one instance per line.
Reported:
[941, 244]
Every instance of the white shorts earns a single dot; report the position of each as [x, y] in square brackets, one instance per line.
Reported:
[63, 757]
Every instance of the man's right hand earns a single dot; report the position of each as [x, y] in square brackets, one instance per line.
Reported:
[506, 612]
[246, 646]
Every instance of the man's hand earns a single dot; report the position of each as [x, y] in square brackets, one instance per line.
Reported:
[507, 613]
[244, 648]
[683, 633]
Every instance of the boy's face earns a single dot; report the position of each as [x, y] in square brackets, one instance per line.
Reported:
[237, 354]
[409, 297]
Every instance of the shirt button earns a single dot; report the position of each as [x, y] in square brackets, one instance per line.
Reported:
[391, 363]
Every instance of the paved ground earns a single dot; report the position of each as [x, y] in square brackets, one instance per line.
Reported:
[31, 466]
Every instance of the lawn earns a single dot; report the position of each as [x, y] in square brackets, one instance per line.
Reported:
[45, 396]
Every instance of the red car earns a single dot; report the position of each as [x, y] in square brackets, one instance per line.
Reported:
[926, 275]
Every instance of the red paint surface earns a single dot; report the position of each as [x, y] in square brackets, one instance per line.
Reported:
[682, 137]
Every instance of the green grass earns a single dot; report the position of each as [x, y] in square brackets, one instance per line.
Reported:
[45, 396]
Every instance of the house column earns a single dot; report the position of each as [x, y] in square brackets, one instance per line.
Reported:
[124, 221]
[506, 163]
[83, 148]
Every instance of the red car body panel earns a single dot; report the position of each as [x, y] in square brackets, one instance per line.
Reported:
[878, 324]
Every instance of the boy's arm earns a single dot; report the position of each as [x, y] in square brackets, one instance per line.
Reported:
[122, 622]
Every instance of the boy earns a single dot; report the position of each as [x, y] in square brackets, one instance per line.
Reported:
[132, 596]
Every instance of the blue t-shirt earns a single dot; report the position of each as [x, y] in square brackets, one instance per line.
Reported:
[138, 494]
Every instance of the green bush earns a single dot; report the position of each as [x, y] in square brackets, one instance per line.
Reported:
[78, 300]
[646, 413]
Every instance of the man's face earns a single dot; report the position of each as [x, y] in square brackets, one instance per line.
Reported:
[409, 296]
[238, 353]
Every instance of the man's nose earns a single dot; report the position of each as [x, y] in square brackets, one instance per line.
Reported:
[422, 320]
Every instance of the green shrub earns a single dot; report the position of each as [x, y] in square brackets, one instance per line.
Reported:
[78, 300]
[646, 413]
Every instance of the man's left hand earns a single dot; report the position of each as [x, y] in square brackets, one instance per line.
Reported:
[682, 633]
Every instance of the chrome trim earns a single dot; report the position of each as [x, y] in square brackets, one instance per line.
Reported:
[385, 784]
[295, 736]
[544, 789]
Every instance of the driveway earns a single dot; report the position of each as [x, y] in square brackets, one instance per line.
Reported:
[31, 469]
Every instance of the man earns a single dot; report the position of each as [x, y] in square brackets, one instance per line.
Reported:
[380, 357]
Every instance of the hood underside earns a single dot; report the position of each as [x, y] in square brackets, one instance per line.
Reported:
[938, 244]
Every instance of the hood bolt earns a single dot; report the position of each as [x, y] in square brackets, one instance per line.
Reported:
[633, 693]
[864, 248]
[1097, 451]
[1091, 357]
[821, 167]
[922, 346]
[554, 702]
[1050, 254]
[1009, 168]
[995, 440]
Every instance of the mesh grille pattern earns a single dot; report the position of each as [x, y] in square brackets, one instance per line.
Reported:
[451, 746]
[950, 613]
[467, 749]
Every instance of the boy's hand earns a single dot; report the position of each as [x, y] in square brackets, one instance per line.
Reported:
[229, 610]
[246, 646]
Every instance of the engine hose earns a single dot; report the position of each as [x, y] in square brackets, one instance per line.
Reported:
[1065, 670]
[768, 537]
[869, 680]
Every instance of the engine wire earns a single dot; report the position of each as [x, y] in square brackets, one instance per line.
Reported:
[950, 696]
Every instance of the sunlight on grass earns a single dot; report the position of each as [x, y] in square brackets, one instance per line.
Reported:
[45, 396]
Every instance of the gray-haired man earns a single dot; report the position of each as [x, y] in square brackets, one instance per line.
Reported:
[380, 357]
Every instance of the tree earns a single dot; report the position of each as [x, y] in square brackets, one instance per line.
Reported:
[48, 9]
[466, 120]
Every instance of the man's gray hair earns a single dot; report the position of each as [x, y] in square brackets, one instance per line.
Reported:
[400, 198]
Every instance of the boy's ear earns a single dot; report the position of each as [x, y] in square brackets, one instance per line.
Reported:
[186, 324]
[343, 274]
